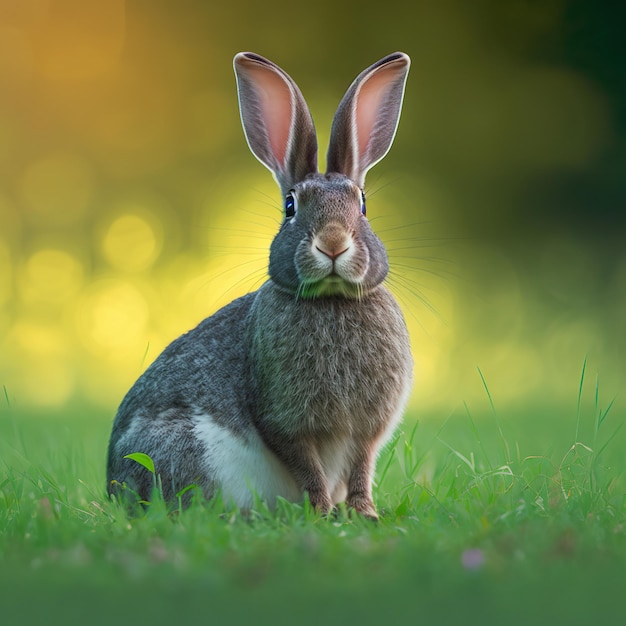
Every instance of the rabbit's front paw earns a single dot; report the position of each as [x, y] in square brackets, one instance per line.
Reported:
[363, 505]
[320, 502]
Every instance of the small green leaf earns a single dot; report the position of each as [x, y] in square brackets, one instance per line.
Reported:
[183, 491]
[404, 508]
[142, 459]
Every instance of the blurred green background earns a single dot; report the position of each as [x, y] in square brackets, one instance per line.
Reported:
[131, 208]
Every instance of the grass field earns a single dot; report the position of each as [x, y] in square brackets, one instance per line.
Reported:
[493, 518]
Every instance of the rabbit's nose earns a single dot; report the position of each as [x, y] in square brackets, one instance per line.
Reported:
[332, 241]
[331, 254]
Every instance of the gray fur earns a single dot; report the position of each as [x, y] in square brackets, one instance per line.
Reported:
[293, 388]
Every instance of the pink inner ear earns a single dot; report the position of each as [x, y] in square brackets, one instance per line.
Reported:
[276, 108]
[368, 105]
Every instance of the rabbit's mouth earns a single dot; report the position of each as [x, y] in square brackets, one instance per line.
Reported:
[332, 285]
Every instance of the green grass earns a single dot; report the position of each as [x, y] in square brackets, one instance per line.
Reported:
[487, 519]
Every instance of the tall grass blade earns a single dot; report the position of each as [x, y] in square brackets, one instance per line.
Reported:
[607, 442]
[602, 416]
[497, 419]
[580, 396]
[145, 355]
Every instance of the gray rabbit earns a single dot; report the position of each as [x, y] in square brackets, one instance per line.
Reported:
[296, 387]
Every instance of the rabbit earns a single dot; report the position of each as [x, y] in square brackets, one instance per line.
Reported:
[292, 389]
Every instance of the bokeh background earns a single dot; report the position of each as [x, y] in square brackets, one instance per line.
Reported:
[131, 208]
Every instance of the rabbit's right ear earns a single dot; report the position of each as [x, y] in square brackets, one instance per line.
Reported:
[276, 120]
[367, 118]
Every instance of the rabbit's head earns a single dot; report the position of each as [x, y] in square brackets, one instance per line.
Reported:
[325, 246]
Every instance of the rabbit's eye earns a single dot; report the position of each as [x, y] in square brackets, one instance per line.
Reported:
[290, 206]
[363, 210]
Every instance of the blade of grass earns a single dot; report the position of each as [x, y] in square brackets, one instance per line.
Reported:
[607, 442]
[497, 419]
[470, 463]
[602, 416]
[580, 395]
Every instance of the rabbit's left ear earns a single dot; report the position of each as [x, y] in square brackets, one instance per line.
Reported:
[367, 118]
[276, 120]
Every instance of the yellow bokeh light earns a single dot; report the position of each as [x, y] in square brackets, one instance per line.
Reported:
[51, 275]
[133, 241]
[37, 340]
[57, 188]
[112, 319]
